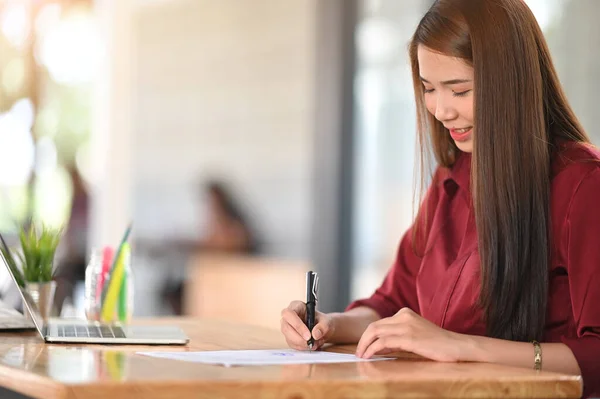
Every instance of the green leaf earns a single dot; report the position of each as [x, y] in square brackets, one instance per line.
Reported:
[38, 251]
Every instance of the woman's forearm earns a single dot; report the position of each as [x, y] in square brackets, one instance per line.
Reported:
[556, 357]
[349, 326]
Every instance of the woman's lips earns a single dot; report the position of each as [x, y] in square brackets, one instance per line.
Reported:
[461, 134]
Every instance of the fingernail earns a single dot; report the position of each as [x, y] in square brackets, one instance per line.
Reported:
[316, 334]
[306, 336]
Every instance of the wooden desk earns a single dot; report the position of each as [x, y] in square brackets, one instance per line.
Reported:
[43, 370]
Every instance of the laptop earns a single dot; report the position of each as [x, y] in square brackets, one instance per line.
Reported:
[13, 320]
[89, 332]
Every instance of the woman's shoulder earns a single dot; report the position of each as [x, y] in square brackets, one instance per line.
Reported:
[572, 163]
[574, 157]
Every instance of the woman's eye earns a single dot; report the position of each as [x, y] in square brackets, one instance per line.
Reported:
[461, 94]
[426, 91]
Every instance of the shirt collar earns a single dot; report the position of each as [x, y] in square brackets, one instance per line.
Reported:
[459, 176]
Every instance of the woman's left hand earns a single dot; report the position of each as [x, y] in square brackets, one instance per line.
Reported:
[409, 332]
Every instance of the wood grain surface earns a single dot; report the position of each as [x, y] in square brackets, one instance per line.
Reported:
[31, 367]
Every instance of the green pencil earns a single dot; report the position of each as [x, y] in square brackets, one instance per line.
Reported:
[123, 294]
[116, 257]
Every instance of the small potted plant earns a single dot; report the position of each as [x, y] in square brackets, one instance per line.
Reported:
[36, 270]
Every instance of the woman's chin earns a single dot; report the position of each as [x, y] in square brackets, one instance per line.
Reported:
[465, 146]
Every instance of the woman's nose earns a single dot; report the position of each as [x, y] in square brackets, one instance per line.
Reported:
[444, 110]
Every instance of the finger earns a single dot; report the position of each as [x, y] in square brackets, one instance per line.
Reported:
[321, 329]
[371, 334]
[293, 339]
[365, 340]
[292, 318]
[299, 307]
[291, 335]
[386, 351]
[376, 331]
[319, 344]
[384, 345]
[289, 332]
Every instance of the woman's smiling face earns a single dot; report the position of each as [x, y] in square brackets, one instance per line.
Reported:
[448, 90]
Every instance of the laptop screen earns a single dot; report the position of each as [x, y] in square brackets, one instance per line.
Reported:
[30, 305]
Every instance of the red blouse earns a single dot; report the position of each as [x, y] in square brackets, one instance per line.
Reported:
[443, 286]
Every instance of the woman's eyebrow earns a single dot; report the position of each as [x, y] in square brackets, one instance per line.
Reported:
[449, 82]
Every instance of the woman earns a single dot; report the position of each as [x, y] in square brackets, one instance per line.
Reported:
[503, 252]
[228, 231]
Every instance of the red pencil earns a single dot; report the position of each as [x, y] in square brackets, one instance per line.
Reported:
[107, 255]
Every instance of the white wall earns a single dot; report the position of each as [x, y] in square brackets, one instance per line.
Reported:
[574, 36]
[111, 137]
[224, 87]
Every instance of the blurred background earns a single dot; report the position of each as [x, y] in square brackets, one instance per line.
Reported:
[247, 141]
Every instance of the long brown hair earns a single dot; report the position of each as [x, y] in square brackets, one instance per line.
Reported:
[520, 113]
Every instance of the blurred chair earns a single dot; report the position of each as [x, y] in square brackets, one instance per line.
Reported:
[246, 289]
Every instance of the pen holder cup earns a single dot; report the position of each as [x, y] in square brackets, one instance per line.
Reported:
[109, 287]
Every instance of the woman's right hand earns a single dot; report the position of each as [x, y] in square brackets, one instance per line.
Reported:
[295, 331]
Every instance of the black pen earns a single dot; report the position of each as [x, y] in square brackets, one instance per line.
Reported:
[311, 304]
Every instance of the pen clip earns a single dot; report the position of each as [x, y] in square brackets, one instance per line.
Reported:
[315, 286]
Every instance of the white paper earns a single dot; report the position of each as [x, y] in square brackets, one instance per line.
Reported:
[261, 357]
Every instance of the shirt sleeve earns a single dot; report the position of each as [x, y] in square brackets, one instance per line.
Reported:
[398, 289]
[584, 279]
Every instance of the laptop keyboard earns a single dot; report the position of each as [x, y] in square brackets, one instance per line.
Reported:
[90, 331]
